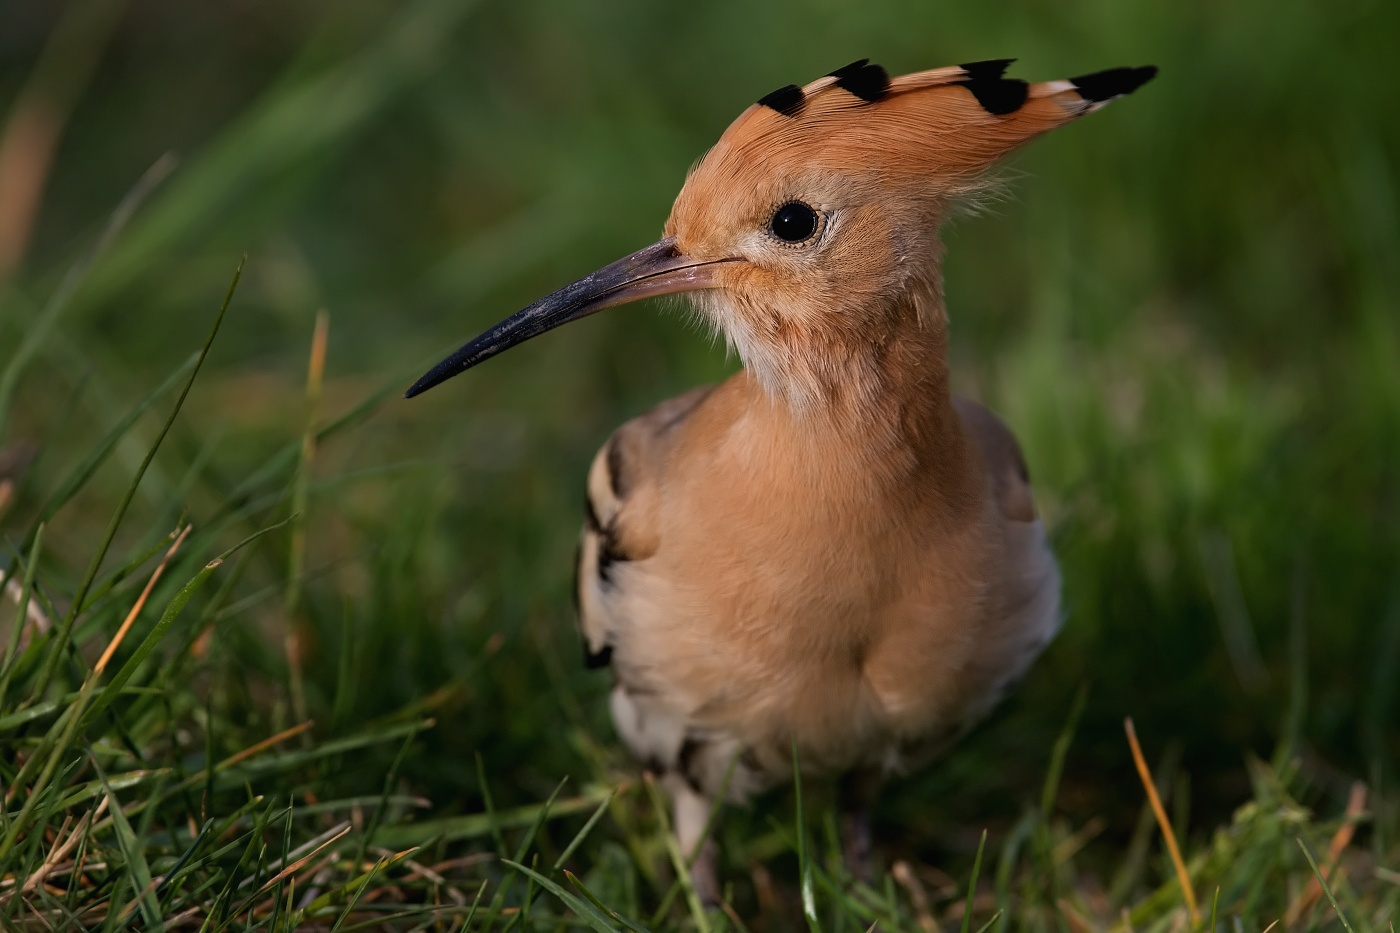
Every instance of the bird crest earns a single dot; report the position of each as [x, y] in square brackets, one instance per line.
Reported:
[948, 124]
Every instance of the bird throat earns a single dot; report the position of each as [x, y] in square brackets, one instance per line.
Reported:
[877, 396]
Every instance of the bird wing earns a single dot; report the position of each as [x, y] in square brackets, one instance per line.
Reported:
[1002, 459]
[1023, 611]
[621, 519]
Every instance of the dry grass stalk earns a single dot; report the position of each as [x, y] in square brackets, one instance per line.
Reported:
[1308, 897]
[1182, 876]
[918, 897]
[140, 604]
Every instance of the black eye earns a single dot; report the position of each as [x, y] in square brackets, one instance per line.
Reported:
[794, 222]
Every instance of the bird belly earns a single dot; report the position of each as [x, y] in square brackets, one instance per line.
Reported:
[851, 674]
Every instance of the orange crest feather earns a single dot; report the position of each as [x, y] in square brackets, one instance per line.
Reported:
[948, 123]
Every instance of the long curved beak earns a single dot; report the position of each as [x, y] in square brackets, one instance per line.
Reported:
[659, 269]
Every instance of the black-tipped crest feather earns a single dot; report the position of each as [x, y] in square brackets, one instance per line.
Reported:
[997, 95]
[786, 100]
[866, 81]
[1113, 82]
[989, 70]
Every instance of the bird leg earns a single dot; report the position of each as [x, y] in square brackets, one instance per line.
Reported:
[690, 815]
[858, 792]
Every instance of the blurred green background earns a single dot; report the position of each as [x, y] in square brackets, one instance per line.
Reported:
[1185, 307]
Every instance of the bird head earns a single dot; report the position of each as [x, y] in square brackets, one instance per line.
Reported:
[812, 222]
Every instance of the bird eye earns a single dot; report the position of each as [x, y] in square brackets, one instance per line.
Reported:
[794, 222]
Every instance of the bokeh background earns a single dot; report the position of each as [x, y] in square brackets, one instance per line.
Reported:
[1185, 306]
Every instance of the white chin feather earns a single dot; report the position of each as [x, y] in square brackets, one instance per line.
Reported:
[772, 366]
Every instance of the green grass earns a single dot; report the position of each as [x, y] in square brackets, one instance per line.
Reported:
[370, 713]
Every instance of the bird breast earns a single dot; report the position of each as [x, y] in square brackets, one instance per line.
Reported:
[792, 597]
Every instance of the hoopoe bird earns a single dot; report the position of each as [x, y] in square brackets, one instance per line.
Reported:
[829, 551]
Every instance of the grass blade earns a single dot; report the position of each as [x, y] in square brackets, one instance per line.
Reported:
[809, 901]
[172, 612]
[131, 616]
[582, 834]
[360, 884]
[585, 911]
[134, 853]
[972, 883]
[61, 637]
[294, 634]
[678, 863]
[490, 805]
[174, 873]
[39, 331]
[498, 902]
[1060, 752]
[1000, 912]
[78, 477]
[593, 899]
[7, 665]
[389, 778]
[478, 825]
[1326, 888]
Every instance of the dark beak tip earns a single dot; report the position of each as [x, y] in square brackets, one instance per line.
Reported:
[421, 386]
[437, 375]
